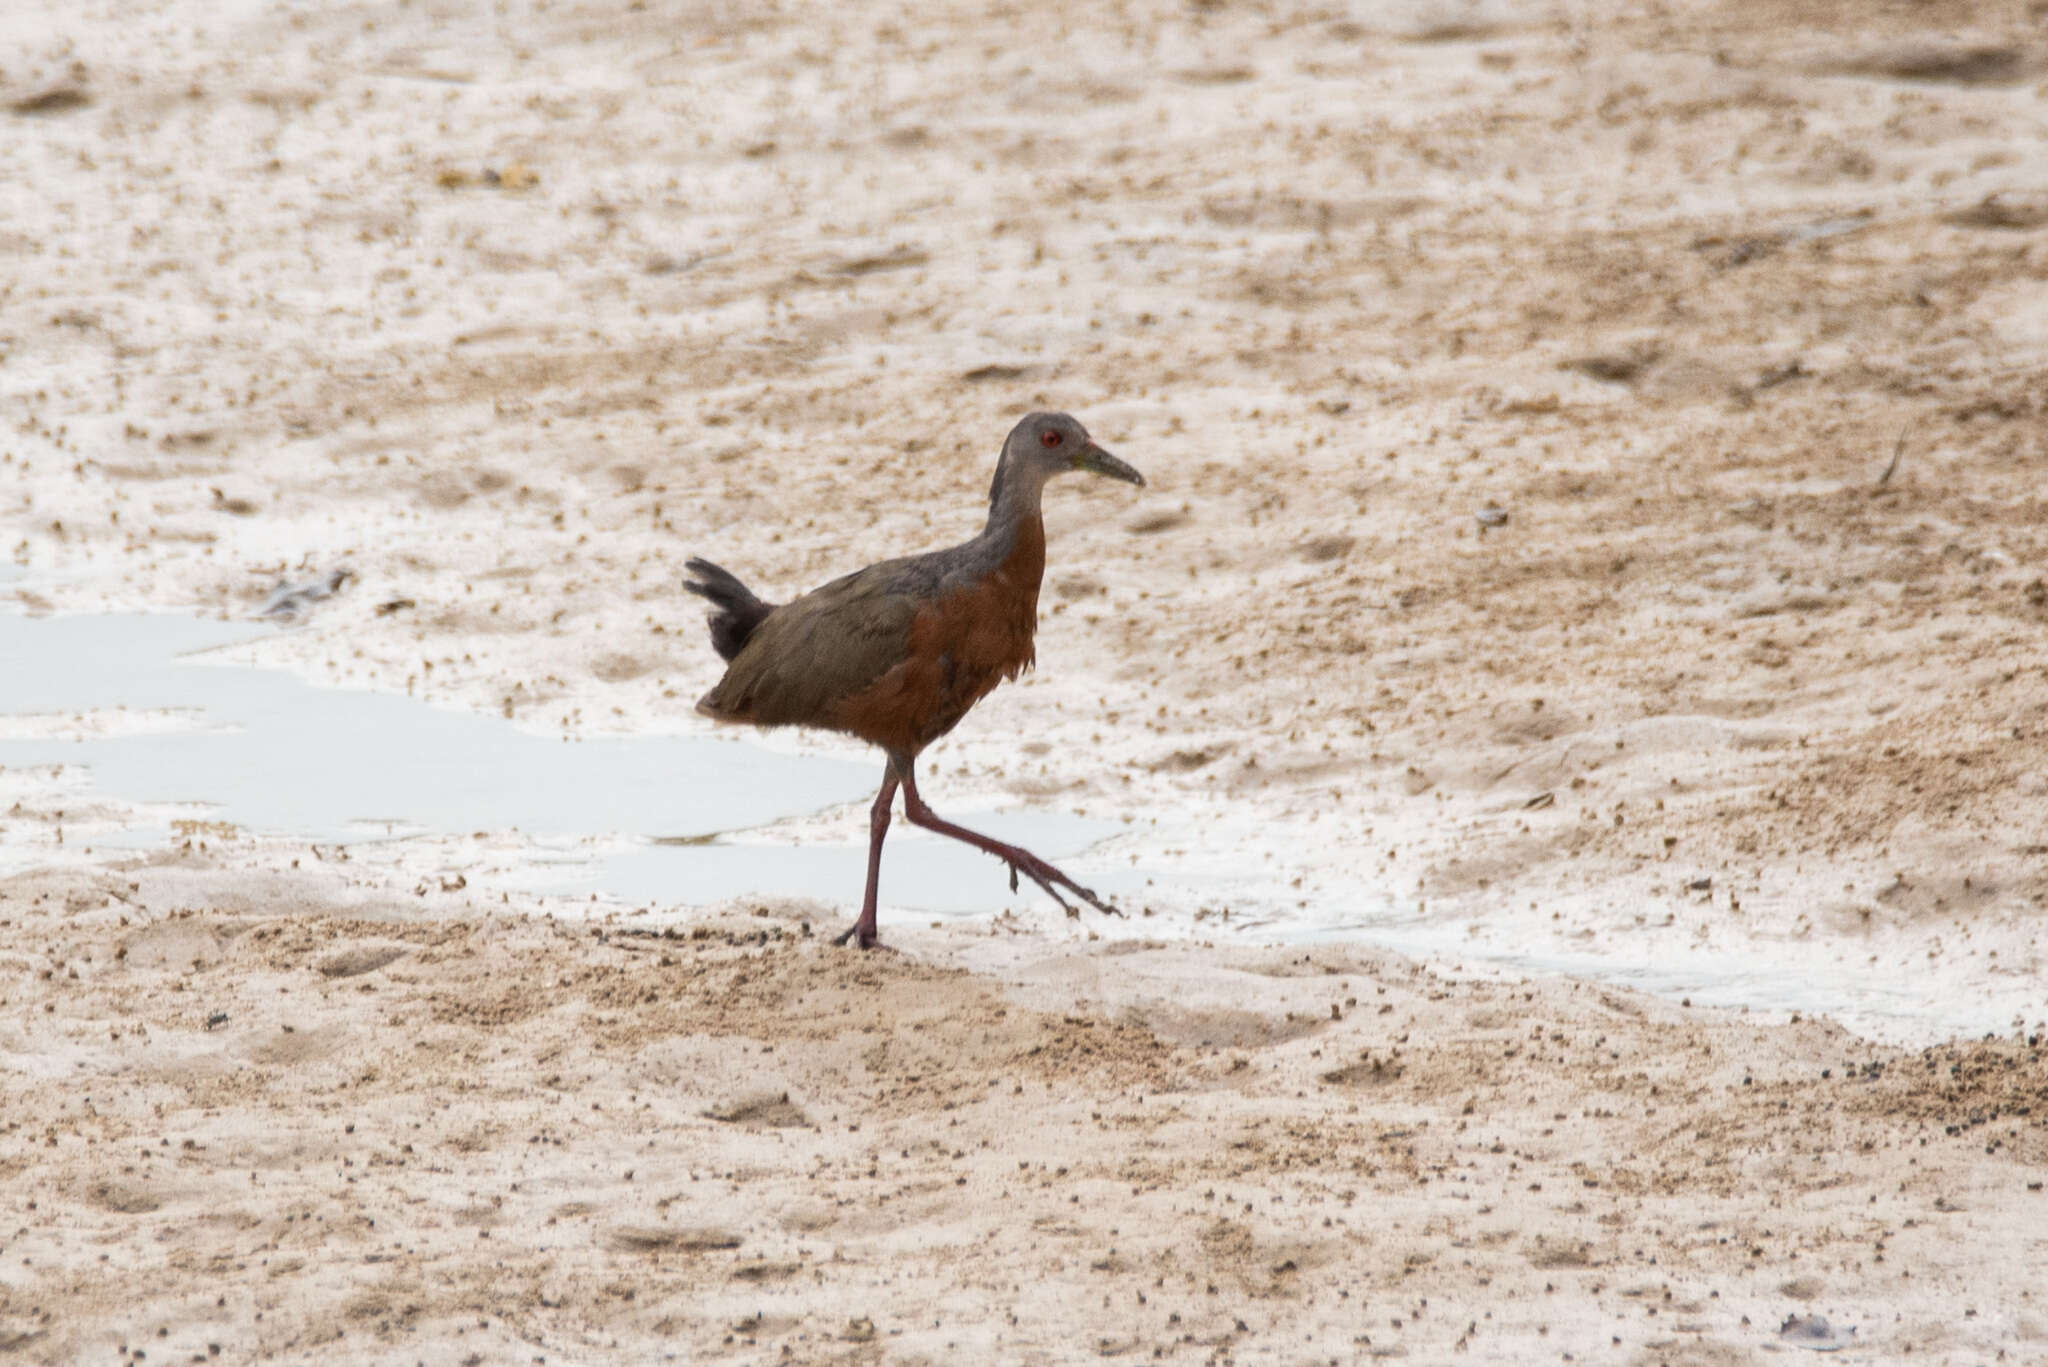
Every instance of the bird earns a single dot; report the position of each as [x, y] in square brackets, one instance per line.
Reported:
[897, 654]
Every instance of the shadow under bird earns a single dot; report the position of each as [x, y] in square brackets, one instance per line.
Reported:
[897, 653]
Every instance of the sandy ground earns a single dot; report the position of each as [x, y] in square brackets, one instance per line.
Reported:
[1736, 314]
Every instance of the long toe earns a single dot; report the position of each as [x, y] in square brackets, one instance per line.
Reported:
[1089, 896]
[1051, 879]
[861, 937]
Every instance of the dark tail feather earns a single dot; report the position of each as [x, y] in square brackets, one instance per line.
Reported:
[735, 609]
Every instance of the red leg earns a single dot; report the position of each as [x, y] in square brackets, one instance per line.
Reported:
[863, 932]
[1020, 860]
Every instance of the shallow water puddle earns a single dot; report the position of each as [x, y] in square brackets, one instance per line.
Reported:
[136, 700]
[144, 704]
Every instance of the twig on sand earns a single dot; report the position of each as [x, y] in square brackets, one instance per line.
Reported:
[1897, 451]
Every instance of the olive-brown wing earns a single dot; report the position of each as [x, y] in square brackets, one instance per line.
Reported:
[813, 653]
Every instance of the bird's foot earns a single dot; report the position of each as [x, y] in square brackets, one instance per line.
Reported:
[1045, 875]
[1019, 859]
[862, 935]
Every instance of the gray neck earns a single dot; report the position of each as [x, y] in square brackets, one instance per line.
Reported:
[1013, 496]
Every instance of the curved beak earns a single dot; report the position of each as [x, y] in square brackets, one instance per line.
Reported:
[1095, 460]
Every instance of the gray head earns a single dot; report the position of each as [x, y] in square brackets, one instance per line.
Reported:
[1048, 444]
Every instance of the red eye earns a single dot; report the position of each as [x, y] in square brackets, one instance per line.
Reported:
[1049, 439]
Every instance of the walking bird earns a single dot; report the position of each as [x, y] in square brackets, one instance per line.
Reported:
[897, 653]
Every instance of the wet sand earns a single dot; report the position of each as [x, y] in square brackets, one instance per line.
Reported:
[1729, 321]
